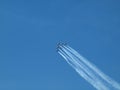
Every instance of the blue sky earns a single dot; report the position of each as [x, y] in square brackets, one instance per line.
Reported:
[30, 30]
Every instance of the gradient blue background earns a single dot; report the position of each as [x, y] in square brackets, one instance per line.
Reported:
[31, 29]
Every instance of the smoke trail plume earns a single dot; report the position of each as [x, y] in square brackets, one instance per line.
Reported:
[87, 70]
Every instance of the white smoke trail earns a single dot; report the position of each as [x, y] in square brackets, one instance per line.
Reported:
[88, 75]
[84, 74]
[87, 70]
[100, 73]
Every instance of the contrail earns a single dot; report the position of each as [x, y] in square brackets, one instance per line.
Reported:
[87, 70]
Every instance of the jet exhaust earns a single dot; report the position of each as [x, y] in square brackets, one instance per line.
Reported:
[86, 69]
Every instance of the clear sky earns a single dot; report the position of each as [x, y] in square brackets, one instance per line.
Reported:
[31, 29]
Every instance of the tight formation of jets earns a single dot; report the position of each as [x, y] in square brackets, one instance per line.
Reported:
[60, 44]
